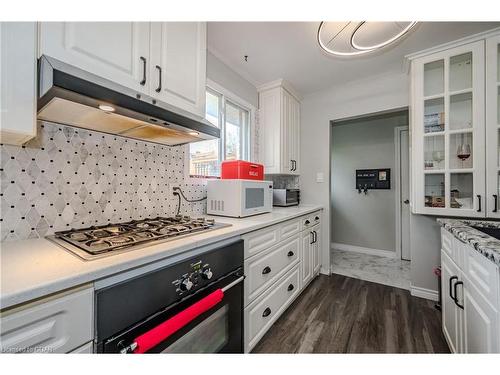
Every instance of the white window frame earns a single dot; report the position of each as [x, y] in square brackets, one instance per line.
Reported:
[248, 147]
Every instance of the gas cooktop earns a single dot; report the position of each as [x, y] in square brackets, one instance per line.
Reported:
[96, 242]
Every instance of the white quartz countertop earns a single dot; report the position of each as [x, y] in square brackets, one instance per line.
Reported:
[35, 268]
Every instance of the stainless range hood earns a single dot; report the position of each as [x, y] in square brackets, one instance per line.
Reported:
[68, 95]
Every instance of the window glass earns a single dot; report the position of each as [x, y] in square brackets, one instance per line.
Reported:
[233, 120]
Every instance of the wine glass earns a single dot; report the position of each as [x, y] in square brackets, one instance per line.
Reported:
[463, 151]
[438, 156]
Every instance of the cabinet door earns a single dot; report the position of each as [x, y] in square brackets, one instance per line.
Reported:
[117, 51]
[178, 56]
[452, 322]
[481, 324]
[270, 130]
[448, 132]
[57, 324]
[493, 126]
[316, 253]
[286, 132]
[290, 129]
[18, 42]
[306, 262]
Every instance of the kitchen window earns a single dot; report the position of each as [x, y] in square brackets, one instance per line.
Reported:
[234, 121]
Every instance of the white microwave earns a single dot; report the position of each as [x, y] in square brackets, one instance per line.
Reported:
[239, 198]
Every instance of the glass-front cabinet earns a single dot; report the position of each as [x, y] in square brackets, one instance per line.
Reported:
[493, 125]
[448, 132]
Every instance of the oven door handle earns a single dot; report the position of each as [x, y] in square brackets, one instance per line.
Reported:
[161, 332]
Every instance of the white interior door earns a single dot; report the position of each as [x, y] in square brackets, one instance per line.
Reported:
[405, 194]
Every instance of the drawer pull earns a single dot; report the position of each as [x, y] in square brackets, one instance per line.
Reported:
[307, 222]
[143, 81]
[266, 270]
[316, 218]
[451, 286]
[266, 312]
[290, 254]
[290, 287]
[455, 293]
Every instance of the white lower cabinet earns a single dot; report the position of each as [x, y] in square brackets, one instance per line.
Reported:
[470, 307]
[57, 324]
[263, 312]
[452, 314]
[265, 269]
[481, 331]
[310, 265]
[279, 262]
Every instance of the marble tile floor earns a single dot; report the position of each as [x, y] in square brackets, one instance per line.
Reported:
[377, 269]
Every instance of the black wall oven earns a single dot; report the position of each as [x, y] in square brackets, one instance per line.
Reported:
[193, 306]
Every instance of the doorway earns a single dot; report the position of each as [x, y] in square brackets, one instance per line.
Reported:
[370, 232]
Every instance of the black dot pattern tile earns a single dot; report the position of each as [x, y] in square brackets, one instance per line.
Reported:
[73, 178]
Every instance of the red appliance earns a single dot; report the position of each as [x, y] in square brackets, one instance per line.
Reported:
[241, 170]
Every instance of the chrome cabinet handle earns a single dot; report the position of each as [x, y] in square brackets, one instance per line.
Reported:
[312, 240]
[158, 89]
[479, 201]
[266, 312]
[143, 82]
[495, 203]
[266, 270]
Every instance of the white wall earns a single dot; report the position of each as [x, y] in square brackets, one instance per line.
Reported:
[317, 110]
[365, 96]
[223, 75]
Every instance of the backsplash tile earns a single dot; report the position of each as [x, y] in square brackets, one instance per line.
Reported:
[72, 178]
[281, 181]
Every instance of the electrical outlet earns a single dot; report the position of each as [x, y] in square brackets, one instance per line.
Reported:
[171, 189]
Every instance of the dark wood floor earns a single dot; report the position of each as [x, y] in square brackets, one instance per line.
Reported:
[339, 314]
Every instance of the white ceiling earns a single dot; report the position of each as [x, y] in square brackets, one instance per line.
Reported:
[289, 50]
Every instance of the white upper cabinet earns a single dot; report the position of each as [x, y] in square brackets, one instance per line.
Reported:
[493, 125]
[163, 60]
[279, 127]
[178, 64]
[452, 123]
[117, 51]
[18, 46]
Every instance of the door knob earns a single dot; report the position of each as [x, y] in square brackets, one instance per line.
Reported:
[406, 201]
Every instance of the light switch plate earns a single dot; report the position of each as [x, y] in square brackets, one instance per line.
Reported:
[320, 177]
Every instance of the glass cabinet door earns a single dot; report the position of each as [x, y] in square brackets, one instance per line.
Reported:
[448, 132]
[493, 125]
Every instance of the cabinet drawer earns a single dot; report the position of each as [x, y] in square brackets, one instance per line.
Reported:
[483, 274]
[311, 220]
[265, 268]
[447, 242]
[261, 314]
[289, 228]
[260, 240]
[58, 324]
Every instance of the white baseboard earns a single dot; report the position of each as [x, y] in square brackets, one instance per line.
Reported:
[363, 250]
[424, 293]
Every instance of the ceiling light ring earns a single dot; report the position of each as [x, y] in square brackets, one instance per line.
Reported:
[392, 39]
[333, 52]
